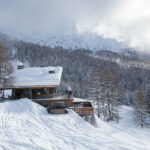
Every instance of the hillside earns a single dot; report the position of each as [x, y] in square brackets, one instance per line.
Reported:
[27, 126]
[129, 67]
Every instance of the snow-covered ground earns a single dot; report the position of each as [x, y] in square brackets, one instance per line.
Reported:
[25, 125]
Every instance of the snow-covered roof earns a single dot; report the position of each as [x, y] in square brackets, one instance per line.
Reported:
[81, 100]
[37, 77]
[20, 63]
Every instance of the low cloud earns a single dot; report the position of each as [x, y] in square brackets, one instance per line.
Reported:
[123, 20]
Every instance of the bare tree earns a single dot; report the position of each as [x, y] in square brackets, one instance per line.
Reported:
[5, 68]
[95, 91]
[140, 106]
[111, 96]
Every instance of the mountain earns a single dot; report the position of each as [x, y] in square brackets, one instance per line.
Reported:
[73, 41]
[76, 41]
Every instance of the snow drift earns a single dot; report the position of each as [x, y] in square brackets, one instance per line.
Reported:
[25, 125]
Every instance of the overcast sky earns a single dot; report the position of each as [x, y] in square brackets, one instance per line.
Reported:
[123, 20]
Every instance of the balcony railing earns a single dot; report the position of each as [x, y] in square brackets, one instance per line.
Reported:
[84, 110]
[50, 96]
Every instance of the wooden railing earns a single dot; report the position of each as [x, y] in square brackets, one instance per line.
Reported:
[42, 96]
[51, 96]
[84, 110]
[45, 96]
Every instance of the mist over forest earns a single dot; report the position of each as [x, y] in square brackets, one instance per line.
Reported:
[129, 67]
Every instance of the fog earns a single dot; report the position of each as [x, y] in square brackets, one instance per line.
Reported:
[126, 21]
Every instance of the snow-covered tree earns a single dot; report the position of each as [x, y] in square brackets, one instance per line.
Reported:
[140, 106]
[111, 96]
[105, 95]
[95, 91]
[5, 68]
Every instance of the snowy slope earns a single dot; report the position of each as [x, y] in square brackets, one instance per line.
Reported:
[25, 125]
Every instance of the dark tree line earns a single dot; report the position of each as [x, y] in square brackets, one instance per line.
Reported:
[78, 66]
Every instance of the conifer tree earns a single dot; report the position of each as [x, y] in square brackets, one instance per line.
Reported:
[147, 96]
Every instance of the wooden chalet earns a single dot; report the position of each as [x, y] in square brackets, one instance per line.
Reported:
[40, 85]
[35, 83]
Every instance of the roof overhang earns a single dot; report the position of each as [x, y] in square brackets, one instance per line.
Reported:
[29, 87]
[36, 77]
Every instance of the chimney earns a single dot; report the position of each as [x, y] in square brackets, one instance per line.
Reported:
[51, 71]
[20, 65]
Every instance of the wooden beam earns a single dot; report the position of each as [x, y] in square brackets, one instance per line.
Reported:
[29, 87]
[84, 110]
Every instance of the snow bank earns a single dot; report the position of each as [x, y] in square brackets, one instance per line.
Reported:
[80, 100]
[25, 125]
[23, 106]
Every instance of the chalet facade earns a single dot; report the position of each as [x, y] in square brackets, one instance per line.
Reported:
[40, 85]
[35, 83]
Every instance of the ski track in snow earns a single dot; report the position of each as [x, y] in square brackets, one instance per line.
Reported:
[25, 125]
